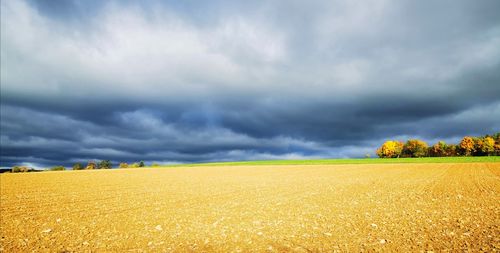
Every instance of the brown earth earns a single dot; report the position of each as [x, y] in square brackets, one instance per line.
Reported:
[389, 207]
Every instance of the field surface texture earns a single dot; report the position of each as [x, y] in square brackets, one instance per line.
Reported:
[266, 208]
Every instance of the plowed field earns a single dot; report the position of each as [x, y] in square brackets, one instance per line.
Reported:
[306, 208]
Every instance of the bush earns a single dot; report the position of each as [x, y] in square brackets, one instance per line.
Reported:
[91, 166]
[77, 166]
[137, 165]
[19, 169]
[57, 168]
[123, 165]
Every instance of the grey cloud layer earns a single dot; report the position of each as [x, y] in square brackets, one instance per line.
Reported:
[170, 82]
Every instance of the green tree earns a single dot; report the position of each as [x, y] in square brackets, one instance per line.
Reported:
[141, 164]
[123, 165]
[105, 164]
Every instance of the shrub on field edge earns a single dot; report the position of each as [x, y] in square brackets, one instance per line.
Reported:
[57, 168]
[19, 169]
[105, 164]
[91, 166]
[137, 165]
[77, 166]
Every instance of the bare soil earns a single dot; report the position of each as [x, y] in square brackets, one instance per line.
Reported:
[306, 208]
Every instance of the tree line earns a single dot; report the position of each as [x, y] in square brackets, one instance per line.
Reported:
[91, 165]
[486, 145]
[106, 164]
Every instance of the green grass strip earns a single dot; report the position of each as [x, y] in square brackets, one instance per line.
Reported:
[475, 159]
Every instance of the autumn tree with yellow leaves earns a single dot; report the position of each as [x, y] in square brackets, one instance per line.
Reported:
[438, 149]
[467, 146]
[485, 146]
[390, 149]
[415, 148]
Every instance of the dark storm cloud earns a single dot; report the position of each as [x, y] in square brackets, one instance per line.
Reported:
[188, 81]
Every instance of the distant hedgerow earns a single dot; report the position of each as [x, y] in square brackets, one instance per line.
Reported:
[469, 146]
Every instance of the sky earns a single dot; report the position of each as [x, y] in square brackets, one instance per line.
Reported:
[197, 81]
